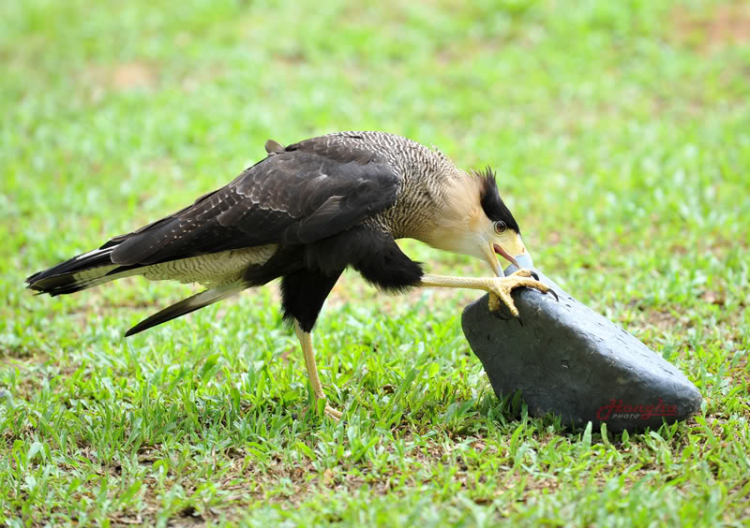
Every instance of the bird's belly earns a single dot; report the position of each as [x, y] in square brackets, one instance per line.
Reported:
[212, 269]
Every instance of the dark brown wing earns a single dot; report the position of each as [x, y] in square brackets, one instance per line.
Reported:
[310, 191]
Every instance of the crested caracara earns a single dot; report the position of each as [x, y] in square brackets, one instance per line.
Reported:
[304, 214]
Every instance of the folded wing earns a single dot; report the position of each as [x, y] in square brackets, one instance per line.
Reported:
[302, 194]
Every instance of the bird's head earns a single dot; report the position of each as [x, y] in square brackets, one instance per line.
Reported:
[475, 221]
[502, 236]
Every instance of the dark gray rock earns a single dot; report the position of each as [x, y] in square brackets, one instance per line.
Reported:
[569, 360]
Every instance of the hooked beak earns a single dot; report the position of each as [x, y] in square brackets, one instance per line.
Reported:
[500, 250]
[490, 252]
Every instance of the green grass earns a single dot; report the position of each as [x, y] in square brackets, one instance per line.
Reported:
[621, 136]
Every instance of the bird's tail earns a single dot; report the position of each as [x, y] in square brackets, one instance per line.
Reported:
[81, 272]
[96, 267]
[191, 304]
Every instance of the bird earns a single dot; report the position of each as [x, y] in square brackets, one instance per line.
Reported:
[304, 214]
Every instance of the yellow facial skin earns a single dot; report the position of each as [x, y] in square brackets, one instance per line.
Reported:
[508, 244]
[511, 242]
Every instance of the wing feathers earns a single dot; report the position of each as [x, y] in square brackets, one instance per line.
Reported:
[294, 197]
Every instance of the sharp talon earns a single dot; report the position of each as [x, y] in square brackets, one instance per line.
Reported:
[554, 293]
[535, 275]
[519, 321]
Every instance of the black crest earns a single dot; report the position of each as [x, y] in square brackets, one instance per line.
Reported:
[493, 205]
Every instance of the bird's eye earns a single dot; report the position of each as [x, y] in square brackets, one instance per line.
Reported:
[500, 227]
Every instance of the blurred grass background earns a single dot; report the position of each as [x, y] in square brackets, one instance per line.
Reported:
[620, 133]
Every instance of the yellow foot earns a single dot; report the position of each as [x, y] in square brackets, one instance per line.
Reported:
[502, 286]
[333, 413]
[329, 411]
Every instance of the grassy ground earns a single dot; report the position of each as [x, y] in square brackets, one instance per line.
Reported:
[621, 136]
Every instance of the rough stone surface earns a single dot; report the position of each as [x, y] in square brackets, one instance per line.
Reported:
[569, 360]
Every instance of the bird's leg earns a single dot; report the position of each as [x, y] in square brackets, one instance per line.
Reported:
[499, 288]
[305, 340]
